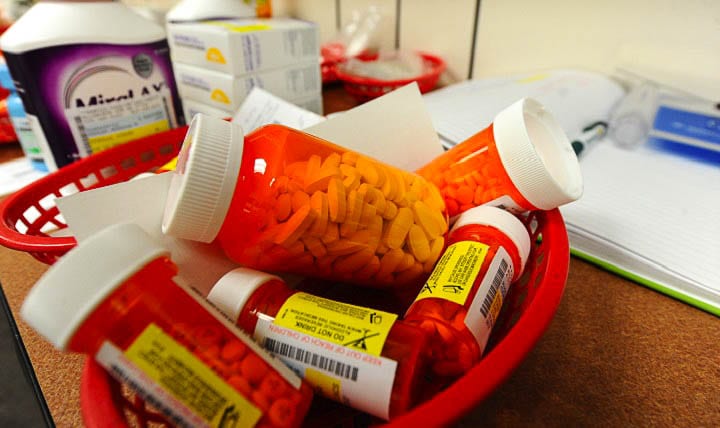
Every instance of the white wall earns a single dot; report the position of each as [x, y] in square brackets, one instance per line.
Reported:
[673, 40]
[443, 27]
[676, 41]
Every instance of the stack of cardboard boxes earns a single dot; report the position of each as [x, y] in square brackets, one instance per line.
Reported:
[218, 62]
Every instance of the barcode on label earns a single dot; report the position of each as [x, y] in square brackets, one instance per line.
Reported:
[83, 135]
[170, 413]
[307, 357]
[497, 280]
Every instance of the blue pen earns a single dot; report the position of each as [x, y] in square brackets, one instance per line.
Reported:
[590, 134]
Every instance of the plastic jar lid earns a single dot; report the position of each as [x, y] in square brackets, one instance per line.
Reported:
[73, 287]
[205, 176]
[537, 155]
[232, 291]
[501, 220]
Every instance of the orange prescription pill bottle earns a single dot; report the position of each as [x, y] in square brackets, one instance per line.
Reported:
[114, 298]
[487, 250]
[523, 161]
[281, 200]
[358, 356]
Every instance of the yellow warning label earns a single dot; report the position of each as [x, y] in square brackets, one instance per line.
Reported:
[455, 272]
[353, 326]
[248, 28]
[325, 385]
[189, 380]
[107, 141]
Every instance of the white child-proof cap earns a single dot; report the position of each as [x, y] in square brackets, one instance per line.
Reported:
[202, 188]
[73, 287]
[537, 155]
[501, 220]
[232, 291]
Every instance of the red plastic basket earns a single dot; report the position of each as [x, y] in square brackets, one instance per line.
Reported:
[29, 216]
[366, 88]
[530, 305]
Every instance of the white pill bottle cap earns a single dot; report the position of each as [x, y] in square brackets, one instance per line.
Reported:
[205, 177]
[537, 155]
[233, 290]
[501, 220]
[82, 279]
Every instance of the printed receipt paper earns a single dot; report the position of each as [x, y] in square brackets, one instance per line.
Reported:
[394, 128]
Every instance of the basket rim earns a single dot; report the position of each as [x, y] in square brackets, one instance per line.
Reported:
[438, 66]
[11, 238]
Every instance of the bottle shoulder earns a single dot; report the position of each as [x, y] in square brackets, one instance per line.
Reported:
[194, 10]
[64, 23]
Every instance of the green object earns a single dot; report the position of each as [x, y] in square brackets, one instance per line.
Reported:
[646, 282]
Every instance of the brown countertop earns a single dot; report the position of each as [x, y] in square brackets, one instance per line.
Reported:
[616, 353]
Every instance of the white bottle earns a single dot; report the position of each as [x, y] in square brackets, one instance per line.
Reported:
[92, 75]
[196, 10]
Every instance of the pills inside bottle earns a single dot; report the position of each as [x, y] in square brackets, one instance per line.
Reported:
[282, 200]
[460, 302]
[115, 298]
[523, 161]
[358, 356]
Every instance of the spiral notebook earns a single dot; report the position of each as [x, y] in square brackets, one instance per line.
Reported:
[653, 217]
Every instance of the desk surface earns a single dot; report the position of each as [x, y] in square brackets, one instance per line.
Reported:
[616, 353]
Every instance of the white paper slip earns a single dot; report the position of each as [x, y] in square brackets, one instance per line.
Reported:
[142, 202]
[395, 128]
[263, 108]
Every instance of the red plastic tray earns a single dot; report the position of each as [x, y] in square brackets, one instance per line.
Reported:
[29, 217]
[530, 305]
[366, 88]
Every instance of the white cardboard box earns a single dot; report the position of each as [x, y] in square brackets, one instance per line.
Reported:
[191, 108]
[227, 92]
[241, 46]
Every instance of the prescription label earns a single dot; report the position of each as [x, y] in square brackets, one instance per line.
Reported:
[455, 272]
[486, 305]
[188, 380]
[340, 373]
[356, 327]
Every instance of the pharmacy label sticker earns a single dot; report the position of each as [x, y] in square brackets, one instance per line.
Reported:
[356, 327]
[340, 373]
[487, 302]
[191, 382]
[112, 359]
[455, 272]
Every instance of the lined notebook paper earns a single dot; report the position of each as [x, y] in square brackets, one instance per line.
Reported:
[653, 217]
